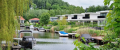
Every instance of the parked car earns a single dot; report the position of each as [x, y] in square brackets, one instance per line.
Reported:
[28, 42]
[87, 38]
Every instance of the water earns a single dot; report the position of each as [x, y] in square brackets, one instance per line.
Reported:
[51, 41]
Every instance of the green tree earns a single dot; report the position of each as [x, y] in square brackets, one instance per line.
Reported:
[98, 8]
[91, 9]
[8, 22]
[34, 13]
[48, 5]
[34, 6]
[45, 18]
[113, 24]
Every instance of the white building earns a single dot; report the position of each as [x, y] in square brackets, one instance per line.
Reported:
[22, 20]
[98, 17]
[53, 18]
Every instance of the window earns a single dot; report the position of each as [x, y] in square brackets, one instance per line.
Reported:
[35, 21]
[87, 16]
[21, 21]
[102, 22]
[75, 17]
[66, 17]
[103, 14]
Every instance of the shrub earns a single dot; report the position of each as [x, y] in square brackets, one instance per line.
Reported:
[37, 25]
[54, 23]
[71, 23]
[27, 24]
[70, 30]
[56, 28]
[91, 31]
[46, 27]
[61, 27]
[88, 31]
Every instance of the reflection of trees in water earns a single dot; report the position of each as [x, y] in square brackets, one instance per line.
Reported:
[35, 35]
[41, 35]
[25, 34]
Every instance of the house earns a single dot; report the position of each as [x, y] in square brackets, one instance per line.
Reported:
[22, 19]
[98, 17]
[34, 20]
[53, 18]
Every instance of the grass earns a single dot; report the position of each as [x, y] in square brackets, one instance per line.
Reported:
[75, 28]
[91, 31]
[0, 48]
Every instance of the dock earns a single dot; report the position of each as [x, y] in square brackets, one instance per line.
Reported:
[56, 31]
[71, 35]
[47, 30]
[98, 40]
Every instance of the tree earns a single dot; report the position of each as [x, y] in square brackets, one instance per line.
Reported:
[34, 13]
[48, 5]
[113, 24]
[98, 8]
[91, 9]
[34, 6]
[8, 22]
[62, 23]
[45, 18]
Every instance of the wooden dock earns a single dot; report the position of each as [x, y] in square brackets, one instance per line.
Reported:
[71, 35]
[56, 31]
[98, 40]
[47, 30]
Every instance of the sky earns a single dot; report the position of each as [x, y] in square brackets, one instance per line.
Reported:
[85, 3]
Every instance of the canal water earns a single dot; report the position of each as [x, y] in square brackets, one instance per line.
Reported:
[51, 41]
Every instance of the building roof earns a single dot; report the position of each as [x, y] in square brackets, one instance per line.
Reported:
[21, 18]
[34, 19]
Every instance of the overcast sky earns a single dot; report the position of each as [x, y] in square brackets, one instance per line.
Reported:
[85, 3]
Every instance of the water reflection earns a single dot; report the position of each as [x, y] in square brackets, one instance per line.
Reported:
[51, 41]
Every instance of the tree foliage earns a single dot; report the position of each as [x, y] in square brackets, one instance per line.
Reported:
[33, 13]
[8, 22]
[97, 8]
[113, 24]
[44, 19]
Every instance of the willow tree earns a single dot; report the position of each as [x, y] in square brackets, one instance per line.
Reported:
[8, 22]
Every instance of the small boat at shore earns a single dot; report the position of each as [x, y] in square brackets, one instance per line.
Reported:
[62, 33]
[41, 29]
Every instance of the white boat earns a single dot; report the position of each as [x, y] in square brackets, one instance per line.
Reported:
[62, 33]
[31, 27]
[42, 29]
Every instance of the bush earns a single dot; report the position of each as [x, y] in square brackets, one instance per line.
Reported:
[46, 27]
[27, 24]
[91, 31]
[54, 23]
[70, 30]
[71, 23]
[61, 27]
[56, 28]
[37, 25]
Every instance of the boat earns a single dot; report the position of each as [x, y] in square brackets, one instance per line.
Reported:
[62, 33]
[31, 27]
[41, 29]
